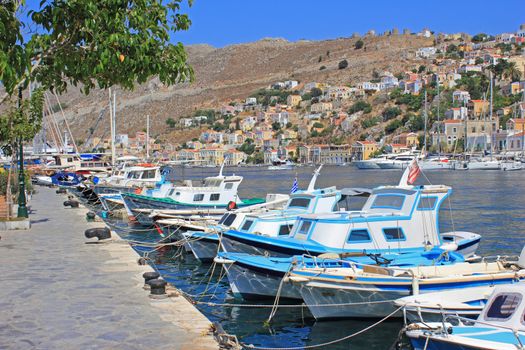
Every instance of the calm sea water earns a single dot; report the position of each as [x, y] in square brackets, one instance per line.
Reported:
[486, 202]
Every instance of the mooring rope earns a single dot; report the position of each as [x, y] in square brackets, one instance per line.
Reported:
[251, 346]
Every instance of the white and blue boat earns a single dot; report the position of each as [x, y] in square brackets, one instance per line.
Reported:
[272, 223]
[500, 326]
[393, 219]
[216, 192]
[258, 276]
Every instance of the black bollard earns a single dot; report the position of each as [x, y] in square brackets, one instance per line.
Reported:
[73, 204]
[149, 276]
[99, 232]
[158, 288]
[67, 203]
[90, 215]
[141, 261]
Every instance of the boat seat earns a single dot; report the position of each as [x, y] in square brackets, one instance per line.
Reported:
[457, 269]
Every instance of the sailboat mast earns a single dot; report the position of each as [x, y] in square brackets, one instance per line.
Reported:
[425, 127]
[491, 93]
[438, 126]
[147, 136]
[111, 125]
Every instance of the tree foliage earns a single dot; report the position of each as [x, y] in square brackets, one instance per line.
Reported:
[94, 43]
[342, 64]
[360, 106]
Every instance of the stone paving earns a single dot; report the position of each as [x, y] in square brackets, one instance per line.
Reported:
[58, 292]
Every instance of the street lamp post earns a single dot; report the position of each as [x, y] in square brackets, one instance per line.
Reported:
[22, 207]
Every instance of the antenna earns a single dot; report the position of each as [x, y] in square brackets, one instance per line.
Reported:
[311, 185]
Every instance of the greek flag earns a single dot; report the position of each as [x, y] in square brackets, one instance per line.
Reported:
[294, 186]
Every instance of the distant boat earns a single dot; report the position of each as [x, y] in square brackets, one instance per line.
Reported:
[279, 164]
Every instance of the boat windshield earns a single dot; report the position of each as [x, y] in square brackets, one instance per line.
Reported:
[503, 306]
[299, 203]
[212, 183]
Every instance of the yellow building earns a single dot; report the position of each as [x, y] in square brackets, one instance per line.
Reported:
[477, 108]
[293, 100]
[362, 150]
[212, 155]
[410, 139]
[234, 157]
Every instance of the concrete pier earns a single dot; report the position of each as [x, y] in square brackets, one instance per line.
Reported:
[58, 292]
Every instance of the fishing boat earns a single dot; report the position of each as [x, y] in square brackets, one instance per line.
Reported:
[430, 307]
[273, 223]
[394, 218]
[259, 276]
[216, 192]
[61, 178]
[500, 326]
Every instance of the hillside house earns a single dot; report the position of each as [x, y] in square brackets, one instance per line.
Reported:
[516, 124]
[461, 97]
[457, 113]
[426, 52]
[409, 139]
[362, 150]
[321, 107]
[293, 100]
[477, 108]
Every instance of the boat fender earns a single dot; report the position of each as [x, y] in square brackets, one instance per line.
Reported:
[157, 288]
[232, 205]
[220, 260]
[99, 232]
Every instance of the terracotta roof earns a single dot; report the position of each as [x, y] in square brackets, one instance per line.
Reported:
[367, 142]
[452, 121]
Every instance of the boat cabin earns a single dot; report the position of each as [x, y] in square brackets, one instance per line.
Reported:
[280, 222]
[215, 190]
[393, 217]
[505, 308]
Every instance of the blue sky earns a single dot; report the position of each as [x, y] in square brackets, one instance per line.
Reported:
[220, 23]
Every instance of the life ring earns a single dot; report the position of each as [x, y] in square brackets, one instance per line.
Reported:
[232, 205]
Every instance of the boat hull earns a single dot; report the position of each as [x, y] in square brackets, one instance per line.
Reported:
[249, 282]
[203, 248]
[369, 301]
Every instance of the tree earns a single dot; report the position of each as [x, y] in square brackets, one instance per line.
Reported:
[479, 60]
[479, 38]
[276, 126]
[511, 71]
[393, 126]
[171, 122]
[421, 69]
[315, 92]
[90, 43]
[360, 106]
[359, 44]
[391, 113]
[342, 64]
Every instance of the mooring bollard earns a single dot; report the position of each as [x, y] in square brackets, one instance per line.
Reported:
[99, 232]
[90, 216]
[149, 276]
[73, 204]
[158, 289]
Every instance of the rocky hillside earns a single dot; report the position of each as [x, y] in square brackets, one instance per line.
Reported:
[234, 72]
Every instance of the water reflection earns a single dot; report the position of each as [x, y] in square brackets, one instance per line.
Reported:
[485, 202]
